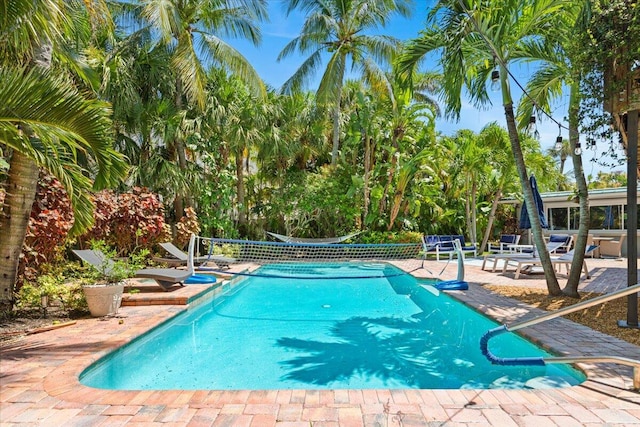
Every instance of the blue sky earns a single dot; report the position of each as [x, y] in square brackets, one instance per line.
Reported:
[281, 29]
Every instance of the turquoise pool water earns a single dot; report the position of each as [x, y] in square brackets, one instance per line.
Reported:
[334, 332]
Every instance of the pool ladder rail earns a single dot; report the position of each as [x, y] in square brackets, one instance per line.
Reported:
[484, 341]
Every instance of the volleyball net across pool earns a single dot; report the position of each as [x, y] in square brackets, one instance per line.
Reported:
[300, 259]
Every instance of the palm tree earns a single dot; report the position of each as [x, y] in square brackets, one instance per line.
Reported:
[496, 140]
[190, 30]
[561, 154]
[47, 123]
[555, 72]
[474, 37]
[337, 27]
[471, 164]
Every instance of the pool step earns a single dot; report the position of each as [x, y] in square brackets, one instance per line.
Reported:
[147, 292]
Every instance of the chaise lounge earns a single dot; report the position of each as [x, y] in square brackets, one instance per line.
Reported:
[180, 258]
[526, 254]
[164, 277]
[526, 264]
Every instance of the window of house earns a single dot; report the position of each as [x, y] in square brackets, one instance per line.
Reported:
[624, 224]
[606, 217]
[559, 219]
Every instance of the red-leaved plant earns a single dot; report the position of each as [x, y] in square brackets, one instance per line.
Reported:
[49, 225]
[128, 221]
[187, 226]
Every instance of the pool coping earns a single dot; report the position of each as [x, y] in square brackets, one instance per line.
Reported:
[614, 377]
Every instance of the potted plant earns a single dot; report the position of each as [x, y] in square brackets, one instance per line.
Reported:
[106, 281]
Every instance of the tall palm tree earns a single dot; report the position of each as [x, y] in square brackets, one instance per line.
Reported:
[191, 31]
[555, 72]
[471, 165]
[474, 37]
[496, 139]
[337, 27]
[402, 108]
[562, 154]
[47, 123]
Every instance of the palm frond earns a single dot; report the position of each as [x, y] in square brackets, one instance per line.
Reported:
[59, 115]
[303, 74]
[163, 16]
[228, 57]
[332, 78]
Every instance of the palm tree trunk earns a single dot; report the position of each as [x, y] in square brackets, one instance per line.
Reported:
[467, 204]
[367, 173]
[181, 201]
[391, 173]
[22, 184]
[336, 126]
[474, 212]
[242, 218]
[536, 229]
[571, 289]
[492, 216]
[21, 191]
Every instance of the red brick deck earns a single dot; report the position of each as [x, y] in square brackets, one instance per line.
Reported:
[39, 378]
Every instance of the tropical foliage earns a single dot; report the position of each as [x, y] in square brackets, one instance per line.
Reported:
[151, 99]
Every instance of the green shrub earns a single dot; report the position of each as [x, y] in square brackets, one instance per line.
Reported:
[68, 296]
[389, 237]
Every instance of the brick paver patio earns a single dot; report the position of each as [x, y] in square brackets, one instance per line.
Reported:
[40, 387]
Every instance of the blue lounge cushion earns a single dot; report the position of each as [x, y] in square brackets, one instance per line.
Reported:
[509, 239]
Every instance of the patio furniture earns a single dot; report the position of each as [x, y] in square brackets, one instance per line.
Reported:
[502, 246]
[565, 241]
[180, 258]
[610, 247]
[524, 264]
[443, 243]
[525, 252]
[164, 277]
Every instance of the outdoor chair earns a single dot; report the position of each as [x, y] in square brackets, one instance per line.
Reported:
[527, 264]
[444, 243]
[525, 254]
[565, 241]
[612, 248]
[179, 257]
[503, 245]
[164, 277]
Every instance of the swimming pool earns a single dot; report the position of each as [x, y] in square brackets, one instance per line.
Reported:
[336, 332]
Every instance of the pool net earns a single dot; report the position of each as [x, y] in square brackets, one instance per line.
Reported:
[306, 260]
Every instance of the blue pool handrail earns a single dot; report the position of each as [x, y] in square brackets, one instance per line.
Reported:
[484, 340]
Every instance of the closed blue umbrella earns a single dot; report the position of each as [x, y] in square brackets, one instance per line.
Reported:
[525, 222]
[608, 218]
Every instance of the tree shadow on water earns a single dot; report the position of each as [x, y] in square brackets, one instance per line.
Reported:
[389, 349]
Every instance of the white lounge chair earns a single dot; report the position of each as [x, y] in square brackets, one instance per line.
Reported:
[503, 245]
[524, 264]
[525, 255]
